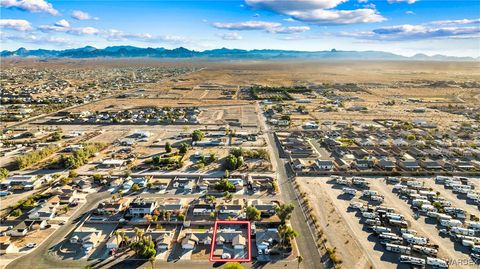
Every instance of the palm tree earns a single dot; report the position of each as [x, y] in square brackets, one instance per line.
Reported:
[136, 230]
[151, 260]
[117, 235]
[299, 260]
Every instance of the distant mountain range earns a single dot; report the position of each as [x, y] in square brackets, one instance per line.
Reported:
[133, 52]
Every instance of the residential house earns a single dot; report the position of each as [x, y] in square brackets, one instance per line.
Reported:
[113, 163]
[6, 246]
[386, 164]
[190, 241]
[23, 227]
[341, 164]
[324, 165]
[266, 239]
[172, 205]
[44, 212]
[233, 209]
[408, 164]
[430, 164]
[141, 207]
[164, 241]
[266, 209]
[203, 209]
[87, 237]
[112, 207]
[23, 182]
[185, 184]
[299, 164]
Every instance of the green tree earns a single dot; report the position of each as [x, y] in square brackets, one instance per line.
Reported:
[237, 152]
[135, 188]
[227, 195]
[3, 173]
[233, 265]
[183, 148]
[168, 147]
[56, 136]
[231, 162]
[72, 174]
[197, 135]
[252, 213]
[286, 233]
[210, 199]
[17, 212]
[299, 260]
[284, 212]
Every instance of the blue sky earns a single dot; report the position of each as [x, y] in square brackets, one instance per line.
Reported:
[405, 27]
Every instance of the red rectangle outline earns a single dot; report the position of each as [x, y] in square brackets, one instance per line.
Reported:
[212, 248]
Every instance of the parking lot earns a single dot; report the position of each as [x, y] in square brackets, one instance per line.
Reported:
[331, 204]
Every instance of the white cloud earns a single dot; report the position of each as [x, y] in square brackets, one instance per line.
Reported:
[230, 36]
[289, 30]
[319, 11]
[325, 17]
[30, 5]
[18, 25]
[82, 16]
[283, 6]
[415, 32]
[453, 22]
[83, 31]
[117, 35]
[62, 23]
[409, 12]
[400, 1]
[34, 39]
[64, 26]
[247, 25]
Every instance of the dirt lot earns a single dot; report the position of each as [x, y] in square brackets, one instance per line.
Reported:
[338, 231]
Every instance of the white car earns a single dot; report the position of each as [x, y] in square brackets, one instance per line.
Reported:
[31, 245]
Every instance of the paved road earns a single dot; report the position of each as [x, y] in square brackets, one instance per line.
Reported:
[41, 257]
[305, 241]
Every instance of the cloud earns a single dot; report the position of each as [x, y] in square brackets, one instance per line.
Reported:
[400, 1]
[282, 6]
[453, 22]
[82, 16]
[247, 25]
[18, 25]
[416, 32]
[64, 26]
[230, 36]
[30, 6]
[62, 23]
[289, 30]
[409, 12]
[319, 11]
[83, 31]
[117, 35]
[34, 39]
[326, 17]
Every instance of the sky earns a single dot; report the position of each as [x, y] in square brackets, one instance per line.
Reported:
[405, 27]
